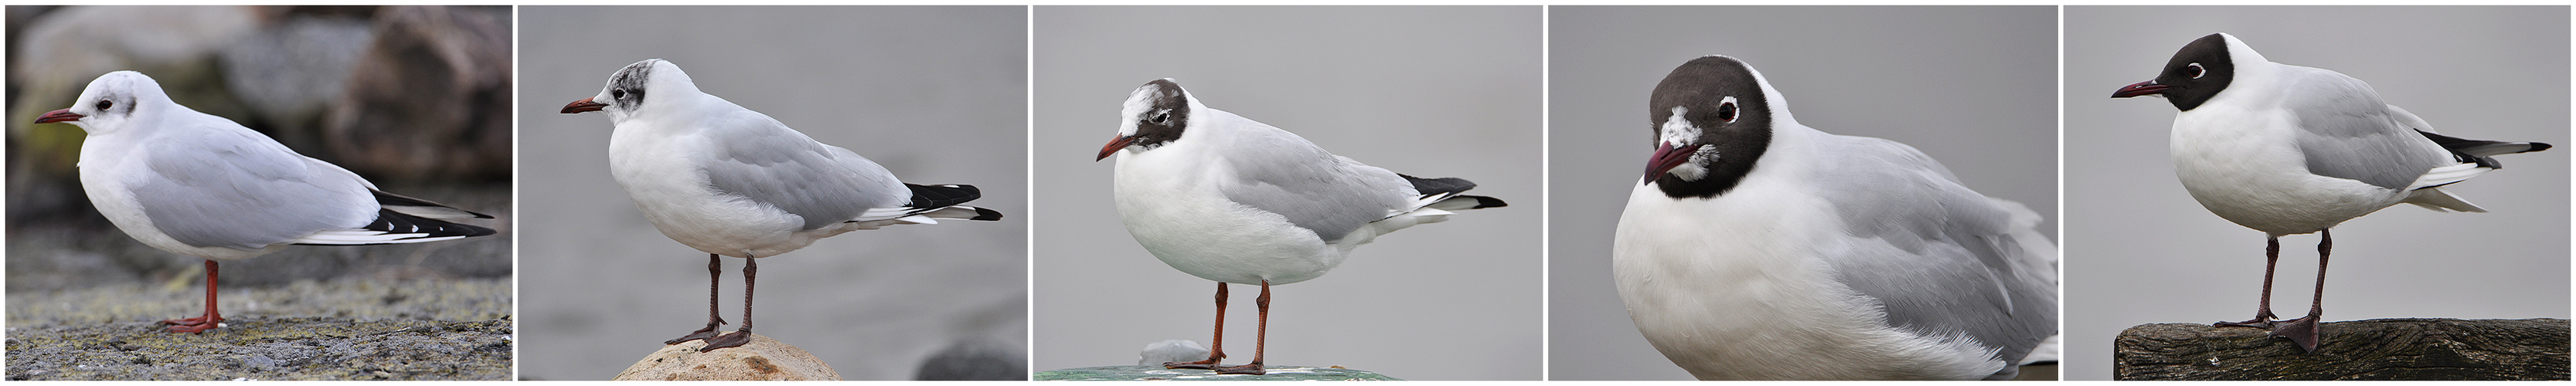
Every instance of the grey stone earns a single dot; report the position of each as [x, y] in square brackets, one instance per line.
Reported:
[1158, 373]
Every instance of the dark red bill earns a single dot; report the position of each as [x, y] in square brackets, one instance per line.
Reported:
[1115, 144]
[583, 105]
[1666, 158]
[63, 115]
[2140, 89]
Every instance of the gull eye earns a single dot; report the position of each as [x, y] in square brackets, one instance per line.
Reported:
[618, 93]
[1162, 118]
[1726, 111]
[2197, 71]
[103, 104]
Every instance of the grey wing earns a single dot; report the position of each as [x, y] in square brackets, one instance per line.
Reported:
[1941, 259]
[238, 189]
[1279, 172]
[761, 160]
[2347, 132]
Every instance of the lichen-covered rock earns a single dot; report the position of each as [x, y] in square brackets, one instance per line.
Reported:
[265, 348]
[763, 359]
[1158, 373]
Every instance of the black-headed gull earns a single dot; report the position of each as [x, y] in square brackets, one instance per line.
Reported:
[734, 182]
[1758, 248]
[204, 186]
[1228, 199]
[2290, 150]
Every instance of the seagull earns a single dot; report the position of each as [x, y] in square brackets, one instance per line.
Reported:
[203, 186]
[734, 182]
[2291, 150]
[1758, 248]
[1225, 198]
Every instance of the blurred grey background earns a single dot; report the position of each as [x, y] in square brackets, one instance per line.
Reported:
[936, 94]
[411, 98]
[1449, 91]
[1971, 86]
[2141, 251]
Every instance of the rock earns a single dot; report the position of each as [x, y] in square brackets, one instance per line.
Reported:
[975, 359]
[259, 347]
[2380, 349]
[429, 100]
[763, 359]
[1175, 350]
[1158, 373]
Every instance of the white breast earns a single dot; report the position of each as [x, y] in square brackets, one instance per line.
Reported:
[1732, 288]
[659, 166]
[2244, 166]
[1167, 199]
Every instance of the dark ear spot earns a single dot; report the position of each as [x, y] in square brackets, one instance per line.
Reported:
[1168, 117]
[627, 87]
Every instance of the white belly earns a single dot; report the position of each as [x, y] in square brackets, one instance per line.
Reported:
[1733, 291]
[672, 192]
[1175, 214]
[2256, 178]
[115, 201]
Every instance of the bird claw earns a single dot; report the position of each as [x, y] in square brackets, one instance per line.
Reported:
[2302, 331]
[195, 325]
[702, 333]
[735, 339]
[1253, 368]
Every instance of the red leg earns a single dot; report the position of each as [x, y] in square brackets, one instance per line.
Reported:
[1260, 337]
[2263, 310]
[715, 273]
[1216, 350]
[211, 320]
[740, 336]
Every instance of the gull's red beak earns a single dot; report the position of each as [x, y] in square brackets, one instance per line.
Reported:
[1114, 145]
[583, 105]
[2141, 89]
[63, 115]
[1666, 158]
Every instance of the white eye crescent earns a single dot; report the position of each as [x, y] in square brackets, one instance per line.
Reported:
[2197, 71]
[1726, 110]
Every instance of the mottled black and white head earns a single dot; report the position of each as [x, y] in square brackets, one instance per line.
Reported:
[2199, 72]
[633, 88]
[1156, 114]
[111, 101]
[1712, 120]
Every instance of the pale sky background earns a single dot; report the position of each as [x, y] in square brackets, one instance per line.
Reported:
[1968, 85]
[1450, 91]
[936, 94]
[2139, 250]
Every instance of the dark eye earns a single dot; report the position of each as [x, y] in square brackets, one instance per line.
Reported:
[1162, 118]
[1726, 111]
[2196, 71]
[103, 104]
[618, 93]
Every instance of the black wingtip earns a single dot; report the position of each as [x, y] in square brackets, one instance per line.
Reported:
[391, 221]
[1435, 186]
[2536, 146]
[390, 199]
[982, 214]
[1486, 202]
[937, 196]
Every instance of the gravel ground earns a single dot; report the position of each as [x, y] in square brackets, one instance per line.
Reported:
[354, 329]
